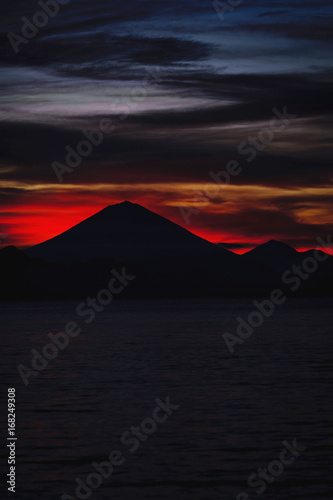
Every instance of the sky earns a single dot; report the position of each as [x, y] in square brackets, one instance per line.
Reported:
[219, 121]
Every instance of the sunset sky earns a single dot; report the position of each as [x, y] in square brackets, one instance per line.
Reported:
[185, 90]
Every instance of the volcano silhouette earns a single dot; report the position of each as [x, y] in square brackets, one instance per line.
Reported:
[166, 258]
[130, 233]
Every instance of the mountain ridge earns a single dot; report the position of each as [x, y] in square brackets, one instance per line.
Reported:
[167, 260]
[277, 254]
[141, 224]
[164, 255]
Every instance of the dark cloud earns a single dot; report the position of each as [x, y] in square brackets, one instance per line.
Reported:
[102, 52]
[225, 79]
[31, 148]
[178, 144]
[272, 13]
[319, 32]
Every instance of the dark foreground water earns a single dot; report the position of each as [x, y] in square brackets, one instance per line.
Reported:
[235, 411]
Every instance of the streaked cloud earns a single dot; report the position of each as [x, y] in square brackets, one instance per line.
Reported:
[215, 86]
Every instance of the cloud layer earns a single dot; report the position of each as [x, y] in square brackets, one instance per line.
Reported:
[186, 93]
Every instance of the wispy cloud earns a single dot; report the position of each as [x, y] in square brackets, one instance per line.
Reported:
[218, 87]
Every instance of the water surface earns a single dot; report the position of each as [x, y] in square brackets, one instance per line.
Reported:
[234, 410]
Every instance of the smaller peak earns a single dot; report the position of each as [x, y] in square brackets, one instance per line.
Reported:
[10, 249]
[277, 244]
[274, 242]
[273, 247]
[12, 252]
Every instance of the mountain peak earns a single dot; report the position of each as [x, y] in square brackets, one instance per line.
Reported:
[122, 204]
[125, 203]
[276, 243]
[273, 245]
[127, 232]
[126, 212]
[273, 242]
[11, 252]
[273, 253]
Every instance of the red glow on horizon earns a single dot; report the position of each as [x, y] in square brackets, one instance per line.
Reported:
[28, 225]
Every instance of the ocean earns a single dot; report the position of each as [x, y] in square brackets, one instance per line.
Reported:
[147, 401]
